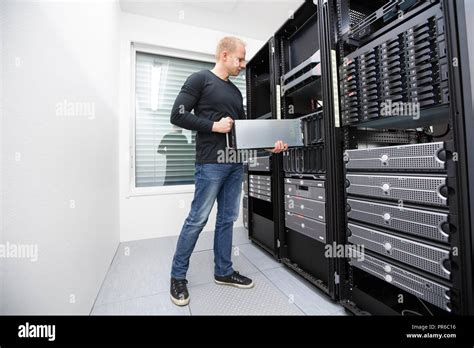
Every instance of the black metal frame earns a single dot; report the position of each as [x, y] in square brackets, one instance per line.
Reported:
[334, 179]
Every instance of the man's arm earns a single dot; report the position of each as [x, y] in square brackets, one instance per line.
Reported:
[186, 100]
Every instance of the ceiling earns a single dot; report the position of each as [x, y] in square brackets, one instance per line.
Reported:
[257, 19]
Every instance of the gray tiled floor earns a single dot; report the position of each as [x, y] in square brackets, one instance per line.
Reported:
[309, 299]
[138, 283]
[201, 267]
[140, 268]
[148, 305]
[262, 299]
[258, 257]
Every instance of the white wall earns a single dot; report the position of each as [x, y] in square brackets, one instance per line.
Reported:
[53, 52]
[258, 19]
[153, 216]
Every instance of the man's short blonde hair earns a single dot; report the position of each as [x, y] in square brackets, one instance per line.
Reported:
[229, 44]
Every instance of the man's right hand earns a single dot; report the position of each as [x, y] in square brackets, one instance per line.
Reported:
[224, 125]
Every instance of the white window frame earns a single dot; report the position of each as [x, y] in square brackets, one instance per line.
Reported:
[163, 51]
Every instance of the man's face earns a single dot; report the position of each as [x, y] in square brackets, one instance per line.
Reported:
[235, 61]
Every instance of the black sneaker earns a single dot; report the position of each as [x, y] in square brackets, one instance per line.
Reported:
[179, 292]
[235, 279]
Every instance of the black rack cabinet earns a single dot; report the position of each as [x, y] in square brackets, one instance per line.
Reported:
[404, 190]
[307, 226]
[384, 93]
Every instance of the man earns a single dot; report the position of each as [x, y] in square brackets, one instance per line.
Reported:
[216, 102]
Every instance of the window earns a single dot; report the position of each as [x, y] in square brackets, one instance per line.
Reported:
[164, 153]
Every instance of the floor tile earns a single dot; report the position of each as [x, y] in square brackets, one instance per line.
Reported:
[205, 241]
[140, 268]
[201, 267]
[259, 258]
[311, 300]
[241, 236]
[159, 304]
[263, 299]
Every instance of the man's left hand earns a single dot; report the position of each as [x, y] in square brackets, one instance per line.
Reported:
[279, 147]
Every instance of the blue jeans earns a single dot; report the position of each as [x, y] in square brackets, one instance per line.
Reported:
[221, 181]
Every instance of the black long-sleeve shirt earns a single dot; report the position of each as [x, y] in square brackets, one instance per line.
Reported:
[211, 98]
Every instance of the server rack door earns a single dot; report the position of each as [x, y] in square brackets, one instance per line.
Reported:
[277, 164]
[460, 29]
[333, 144]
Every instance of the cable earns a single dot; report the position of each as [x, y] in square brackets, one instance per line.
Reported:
[426, 307]
[410, 311]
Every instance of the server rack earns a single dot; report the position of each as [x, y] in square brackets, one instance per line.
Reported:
[405, 191]
[395, 190]
[260, 180]
[307, 217]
